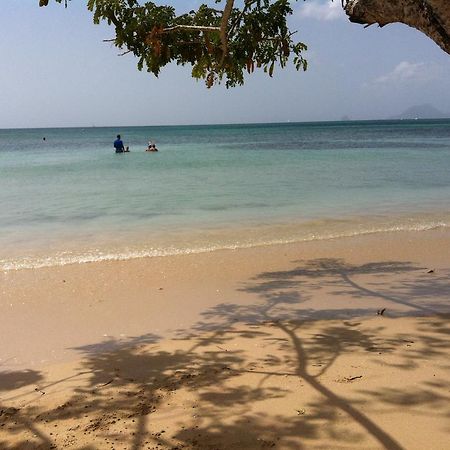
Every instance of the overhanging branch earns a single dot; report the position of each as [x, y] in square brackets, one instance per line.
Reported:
[189, 28]
[431, 17]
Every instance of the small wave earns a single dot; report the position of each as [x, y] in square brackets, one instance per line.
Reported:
[65, 258]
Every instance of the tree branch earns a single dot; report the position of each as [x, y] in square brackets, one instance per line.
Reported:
[189, 28]
[247, 5]
[224, 28]
[432, 17]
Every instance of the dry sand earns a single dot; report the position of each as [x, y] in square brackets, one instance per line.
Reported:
[272, 347]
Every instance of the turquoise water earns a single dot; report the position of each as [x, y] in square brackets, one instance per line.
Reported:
[71, 199]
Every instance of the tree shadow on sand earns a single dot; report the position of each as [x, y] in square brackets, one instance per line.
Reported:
[9, 381]
[224, 385]
[419, 291]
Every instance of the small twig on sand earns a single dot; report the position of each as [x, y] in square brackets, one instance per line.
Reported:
[102, 385]
[352, 378]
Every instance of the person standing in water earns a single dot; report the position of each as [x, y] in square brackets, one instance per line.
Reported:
[118, 145]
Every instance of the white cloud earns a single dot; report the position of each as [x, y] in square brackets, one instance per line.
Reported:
[405, 71]
[420, 72]
[331, 10]
[410, 75]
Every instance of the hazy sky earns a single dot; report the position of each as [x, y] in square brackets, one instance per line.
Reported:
[56, 71]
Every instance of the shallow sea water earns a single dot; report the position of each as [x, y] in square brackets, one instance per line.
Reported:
[69, 198]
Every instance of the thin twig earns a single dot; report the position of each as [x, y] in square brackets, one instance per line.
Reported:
[189, 28]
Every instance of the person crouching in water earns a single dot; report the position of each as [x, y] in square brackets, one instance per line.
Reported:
[151, 147]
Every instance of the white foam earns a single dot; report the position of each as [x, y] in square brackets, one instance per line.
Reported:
[65, 258]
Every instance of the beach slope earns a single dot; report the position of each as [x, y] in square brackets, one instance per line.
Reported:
[334, 344]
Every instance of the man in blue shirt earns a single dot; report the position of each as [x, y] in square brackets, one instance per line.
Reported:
[118, 145]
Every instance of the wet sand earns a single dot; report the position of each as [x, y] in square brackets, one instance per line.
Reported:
[270, 347]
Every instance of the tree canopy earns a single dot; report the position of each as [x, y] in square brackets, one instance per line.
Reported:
[221, 42]
[224, 39]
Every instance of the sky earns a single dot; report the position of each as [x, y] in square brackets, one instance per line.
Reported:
[56, 71]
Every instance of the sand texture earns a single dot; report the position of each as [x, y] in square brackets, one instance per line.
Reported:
[341, 344]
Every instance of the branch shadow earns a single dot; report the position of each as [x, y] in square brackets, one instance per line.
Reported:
[420, 292]
[222, 391]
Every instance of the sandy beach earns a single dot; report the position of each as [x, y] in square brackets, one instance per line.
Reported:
[338, 343]
[275, 276]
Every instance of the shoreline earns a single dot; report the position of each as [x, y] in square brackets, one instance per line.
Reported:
[126, 245]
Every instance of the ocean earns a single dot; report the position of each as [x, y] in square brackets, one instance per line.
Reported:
[71, 199]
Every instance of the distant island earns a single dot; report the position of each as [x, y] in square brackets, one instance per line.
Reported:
[425, 111]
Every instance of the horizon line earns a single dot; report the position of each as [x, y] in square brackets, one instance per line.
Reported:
[225, 124]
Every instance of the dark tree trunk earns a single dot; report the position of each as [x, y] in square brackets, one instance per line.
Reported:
[432, 17]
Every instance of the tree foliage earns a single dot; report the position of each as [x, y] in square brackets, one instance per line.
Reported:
[221, 42]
